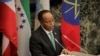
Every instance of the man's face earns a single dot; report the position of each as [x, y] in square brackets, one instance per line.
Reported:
[48, 21]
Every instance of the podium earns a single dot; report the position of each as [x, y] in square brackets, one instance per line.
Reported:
[78, 54]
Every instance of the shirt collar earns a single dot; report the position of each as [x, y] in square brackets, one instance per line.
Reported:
[46, 30]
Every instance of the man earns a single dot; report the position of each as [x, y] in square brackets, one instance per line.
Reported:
[41, 43]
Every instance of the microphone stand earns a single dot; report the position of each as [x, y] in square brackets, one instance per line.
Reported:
[74, 43]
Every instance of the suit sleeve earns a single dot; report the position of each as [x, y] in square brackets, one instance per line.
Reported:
[35, 47]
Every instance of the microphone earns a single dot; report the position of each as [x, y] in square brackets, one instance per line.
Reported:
[74, 43]
[59, 43]
[63, 54]
[71, 54]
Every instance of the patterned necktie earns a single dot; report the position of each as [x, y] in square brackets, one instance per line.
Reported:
[52, 40]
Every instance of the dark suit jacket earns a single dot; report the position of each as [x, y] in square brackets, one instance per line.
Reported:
[40, 44]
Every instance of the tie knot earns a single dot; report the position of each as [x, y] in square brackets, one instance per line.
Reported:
[50, 33]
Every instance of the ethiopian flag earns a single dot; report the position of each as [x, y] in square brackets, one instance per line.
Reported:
[70, 24]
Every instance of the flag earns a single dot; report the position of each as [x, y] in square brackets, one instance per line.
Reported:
[8, 27]
[23, 26]
[70, 24]
[41, 5]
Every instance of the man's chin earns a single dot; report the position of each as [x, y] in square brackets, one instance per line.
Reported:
[50, 29]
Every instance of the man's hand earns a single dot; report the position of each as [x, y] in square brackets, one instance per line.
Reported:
[65, 51]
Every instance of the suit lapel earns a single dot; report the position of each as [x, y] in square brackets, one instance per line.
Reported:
[56, 36]
[46, 39]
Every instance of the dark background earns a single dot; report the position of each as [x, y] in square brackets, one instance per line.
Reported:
[90, 25]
